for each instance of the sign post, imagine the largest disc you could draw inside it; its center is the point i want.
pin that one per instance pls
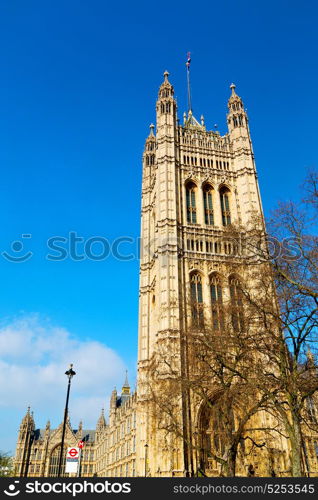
(72, 460)
(80, 444)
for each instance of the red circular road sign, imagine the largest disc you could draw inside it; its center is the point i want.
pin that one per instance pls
(73, 452)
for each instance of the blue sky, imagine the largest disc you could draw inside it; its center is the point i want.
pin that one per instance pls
(78, 84)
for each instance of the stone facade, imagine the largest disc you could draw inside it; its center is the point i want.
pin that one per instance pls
(38, 450)
(195, 183)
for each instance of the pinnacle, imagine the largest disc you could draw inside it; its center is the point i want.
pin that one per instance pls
(233, 87)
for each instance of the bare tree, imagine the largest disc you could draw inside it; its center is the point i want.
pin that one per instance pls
(256, 351)
(284, 297)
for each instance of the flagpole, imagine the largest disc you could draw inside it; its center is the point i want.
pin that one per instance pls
(188, 81)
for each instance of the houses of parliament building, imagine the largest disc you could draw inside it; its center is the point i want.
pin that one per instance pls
(195, 182)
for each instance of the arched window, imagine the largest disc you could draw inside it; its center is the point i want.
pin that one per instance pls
(196, 299)
(216, 302)
(208, 205)
(54, 461)
(217, 425)
(191, 205)
(236, 304)
(225, 206)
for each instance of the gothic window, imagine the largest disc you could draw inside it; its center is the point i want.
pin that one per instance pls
(225, 206)
(216, 302)
(165, 93)
(208, 205)
(236, 304)
(196, 299)
(216, 421)
(162, 108)
(54, 461)
(191, 204)
(168, 107)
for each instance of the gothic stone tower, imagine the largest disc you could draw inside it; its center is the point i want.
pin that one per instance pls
(195, 182)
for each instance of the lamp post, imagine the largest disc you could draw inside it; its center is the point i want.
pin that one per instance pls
(146, 458)
(70, 374)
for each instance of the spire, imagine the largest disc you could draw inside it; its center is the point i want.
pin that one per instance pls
(101, 422)
(310, 358)
(234, 97)
(236, 117)
(166, 108)
(126, 386)
(166, 89)
(27, 420)
(28, 416)
(233, 87)
(80, 428)
(150, 147)
(151, 137)
(113, 399)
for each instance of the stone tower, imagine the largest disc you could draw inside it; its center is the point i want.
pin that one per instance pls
(24, 443)
(195, 183)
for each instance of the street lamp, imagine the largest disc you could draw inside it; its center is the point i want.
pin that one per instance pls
(146, 458)
(70, 374)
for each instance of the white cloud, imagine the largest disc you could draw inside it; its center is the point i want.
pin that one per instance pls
(34, 355)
